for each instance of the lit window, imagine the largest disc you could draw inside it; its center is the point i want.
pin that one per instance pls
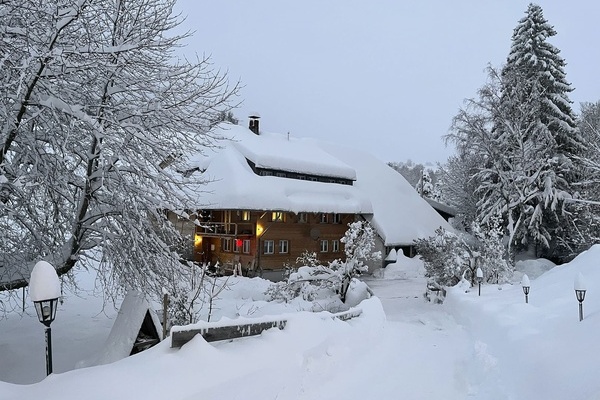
(237, 244)
(277, 216)
(246, 246)
(283, 246)
(303, 217)
(324, 218)
(324, 246)
(269, 247)
(245, 215)
(335, 246)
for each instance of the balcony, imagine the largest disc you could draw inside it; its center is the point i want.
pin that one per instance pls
(224, 229)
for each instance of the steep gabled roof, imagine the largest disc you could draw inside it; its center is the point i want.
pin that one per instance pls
(235, 185)
(400, 215)
(378, 192)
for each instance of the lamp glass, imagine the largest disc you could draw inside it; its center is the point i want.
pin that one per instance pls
(580, 295)
(46, 310)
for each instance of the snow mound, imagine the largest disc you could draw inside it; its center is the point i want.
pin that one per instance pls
(403, 268)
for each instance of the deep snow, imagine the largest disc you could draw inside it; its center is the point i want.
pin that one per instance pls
(489, 347)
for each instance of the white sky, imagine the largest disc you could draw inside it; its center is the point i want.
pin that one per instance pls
(384, 76)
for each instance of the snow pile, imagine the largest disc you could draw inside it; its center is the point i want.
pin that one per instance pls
(538, 350)
(403, 268)
(533, 268)
(493, 346)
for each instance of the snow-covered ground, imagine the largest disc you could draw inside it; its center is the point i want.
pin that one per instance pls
(401, 347)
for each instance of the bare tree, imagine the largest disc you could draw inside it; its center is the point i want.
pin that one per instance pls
(93, 100)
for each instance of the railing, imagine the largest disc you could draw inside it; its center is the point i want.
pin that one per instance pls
(181, 335)
(225, 229)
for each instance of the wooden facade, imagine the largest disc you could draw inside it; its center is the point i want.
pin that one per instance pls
(265, 239)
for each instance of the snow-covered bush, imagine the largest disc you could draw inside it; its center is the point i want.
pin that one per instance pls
(444, 255)
(313, 280)
(493, 253)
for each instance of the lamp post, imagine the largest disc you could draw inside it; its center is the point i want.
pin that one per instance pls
(526, 285)
(580, 293)
(479, 278)
(44, 290)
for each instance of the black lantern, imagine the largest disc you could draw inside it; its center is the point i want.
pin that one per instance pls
(580, 290)
(526, 285)
(479, 278)
(44, 290)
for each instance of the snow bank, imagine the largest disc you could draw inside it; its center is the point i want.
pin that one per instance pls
(538, 350)
(403, 268)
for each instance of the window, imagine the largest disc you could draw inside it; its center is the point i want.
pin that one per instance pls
(337, 218)
(278, 216)
(324, 246)
(246, 246)
(335, 246)
(245, 215)
(226, 244)
(281, 174)
(303, 217)
(237, 243)
(268, 247)
(266, 173)
(324, 218)
(283, 246)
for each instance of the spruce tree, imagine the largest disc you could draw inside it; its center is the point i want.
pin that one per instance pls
(534, 77)
(537, 128)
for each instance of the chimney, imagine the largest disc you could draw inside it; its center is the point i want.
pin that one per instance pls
(253, 123)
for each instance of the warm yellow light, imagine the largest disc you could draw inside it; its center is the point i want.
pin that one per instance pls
(259, 230)
(198, 240)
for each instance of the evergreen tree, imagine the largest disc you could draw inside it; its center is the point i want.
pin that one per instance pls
(541, 132)
(534, 76)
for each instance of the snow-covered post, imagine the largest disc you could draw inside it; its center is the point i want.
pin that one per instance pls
(526, 285)
(479, 278)
(580, 293)
(44, 290)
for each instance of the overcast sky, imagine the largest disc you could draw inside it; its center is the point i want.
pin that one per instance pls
(386, 76)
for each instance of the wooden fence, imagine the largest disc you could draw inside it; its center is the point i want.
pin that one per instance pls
(212, 334)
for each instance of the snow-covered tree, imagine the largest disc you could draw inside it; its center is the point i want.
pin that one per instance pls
(359, 247)
(92, 101)
(492, 250)
(445, 256)
(523, 127)
(534, 76)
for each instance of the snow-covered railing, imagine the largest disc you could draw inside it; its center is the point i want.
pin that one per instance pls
(212, 332)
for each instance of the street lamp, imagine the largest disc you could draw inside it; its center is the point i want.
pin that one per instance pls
(44, 290)
(580, 293)
(479, 278)
(526, 285)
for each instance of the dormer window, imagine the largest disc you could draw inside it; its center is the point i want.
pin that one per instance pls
(278, 216)
(245, 215)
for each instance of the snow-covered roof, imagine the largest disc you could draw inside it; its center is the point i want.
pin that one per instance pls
(400, 215)
(125, 330)
(378, 192)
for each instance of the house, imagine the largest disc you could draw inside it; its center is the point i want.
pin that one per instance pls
(271, 197)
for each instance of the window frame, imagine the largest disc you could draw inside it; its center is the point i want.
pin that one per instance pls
(324, 218)
(335, 246)
(226, 244)
(246, 246)
(283, 243)
(323, 246)
(266, 246)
